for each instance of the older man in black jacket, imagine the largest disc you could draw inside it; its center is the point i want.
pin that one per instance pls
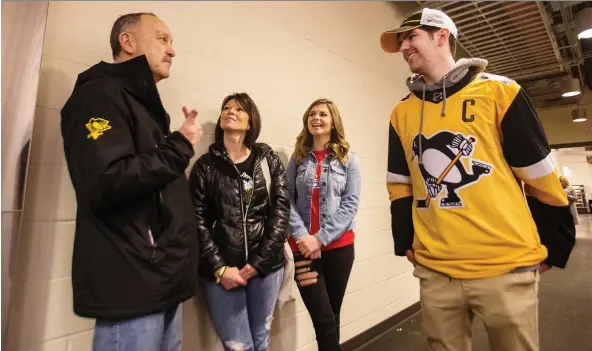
(135, 250)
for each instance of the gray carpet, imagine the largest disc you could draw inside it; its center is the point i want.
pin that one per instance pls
(565, 314)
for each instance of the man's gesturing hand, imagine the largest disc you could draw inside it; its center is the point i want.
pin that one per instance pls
(190, 128)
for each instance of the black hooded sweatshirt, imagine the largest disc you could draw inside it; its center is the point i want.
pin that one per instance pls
(136, 248)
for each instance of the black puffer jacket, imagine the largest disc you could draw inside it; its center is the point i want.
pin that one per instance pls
(217, 194)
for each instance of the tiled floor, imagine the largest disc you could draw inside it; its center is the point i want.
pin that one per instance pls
(565, 314)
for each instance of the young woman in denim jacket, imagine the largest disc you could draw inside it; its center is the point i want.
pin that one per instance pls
(242, 227)
(324, 182)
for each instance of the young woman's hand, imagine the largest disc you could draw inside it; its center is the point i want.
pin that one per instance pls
(231, 278)
(309, 245)
(248, 272)
(316, 255)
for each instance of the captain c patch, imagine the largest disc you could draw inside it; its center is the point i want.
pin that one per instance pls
(96, 127)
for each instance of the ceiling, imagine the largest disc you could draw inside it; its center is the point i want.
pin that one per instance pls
(527, 41)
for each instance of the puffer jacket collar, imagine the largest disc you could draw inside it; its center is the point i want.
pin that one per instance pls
(260, 150)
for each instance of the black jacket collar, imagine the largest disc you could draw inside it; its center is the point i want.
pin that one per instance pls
(259, 149)
(136, 78)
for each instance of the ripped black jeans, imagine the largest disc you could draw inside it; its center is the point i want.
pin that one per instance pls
(323, 299)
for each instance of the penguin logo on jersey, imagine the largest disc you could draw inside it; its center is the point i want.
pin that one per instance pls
(441, 165)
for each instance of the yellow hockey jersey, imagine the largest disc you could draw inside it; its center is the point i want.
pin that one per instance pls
(458, 158)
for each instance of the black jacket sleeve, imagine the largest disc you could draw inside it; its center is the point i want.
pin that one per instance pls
(278, 220)
(101, 154)
(202, 206)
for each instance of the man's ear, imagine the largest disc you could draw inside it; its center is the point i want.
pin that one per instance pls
(442, 36)
(128, 43)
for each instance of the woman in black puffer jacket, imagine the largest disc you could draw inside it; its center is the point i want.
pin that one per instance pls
(242, 227)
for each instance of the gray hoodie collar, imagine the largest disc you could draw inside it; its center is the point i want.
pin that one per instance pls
(417, 83)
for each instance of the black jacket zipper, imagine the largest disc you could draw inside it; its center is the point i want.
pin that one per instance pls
(245, 211)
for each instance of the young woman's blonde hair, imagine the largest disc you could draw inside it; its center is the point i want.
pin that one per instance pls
(337, 144)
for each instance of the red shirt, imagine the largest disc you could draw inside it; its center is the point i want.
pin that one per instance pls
(348, 237)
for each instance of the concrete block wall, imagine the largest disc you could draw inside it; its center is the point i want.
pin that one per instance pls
(285, 55)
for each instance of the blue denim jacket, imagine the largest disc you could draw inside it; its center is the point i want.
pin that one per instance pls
(340, 196)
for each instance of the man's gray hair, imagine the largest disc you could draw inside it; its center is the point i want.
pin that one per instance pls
(121, 25)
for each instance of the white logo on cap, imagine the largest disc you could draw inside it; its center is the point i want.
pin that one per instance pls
(438, 19)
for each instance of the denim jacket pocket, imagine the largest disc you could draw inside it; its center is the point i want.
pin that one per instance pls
(300, 174)
(300, 171)
(338, 173)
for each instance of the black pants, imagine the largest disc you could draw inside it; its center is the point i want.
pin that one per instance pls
(323, 299)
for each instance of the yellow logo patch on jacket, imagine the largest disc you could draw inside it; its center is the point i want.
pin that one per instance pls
(96, 127)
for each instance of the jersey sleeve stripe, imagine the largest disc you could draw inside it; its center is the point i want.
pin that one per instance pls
(535, 171)
(397, 178)
(547, 190)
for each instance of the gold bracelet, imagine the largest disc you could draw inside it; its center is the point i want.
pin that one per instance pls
(221, 274)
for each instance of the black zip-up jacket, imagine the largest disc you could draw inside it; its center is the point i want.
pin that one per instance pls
(136, 248)
(217, 197)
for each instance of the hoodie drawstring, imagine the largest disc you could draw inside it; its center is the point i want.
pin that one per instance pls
(421, 124)
(444, 97)
(443, 114)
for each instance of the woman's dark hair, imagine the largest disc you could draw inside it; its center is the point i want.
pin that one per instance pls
(245, 101)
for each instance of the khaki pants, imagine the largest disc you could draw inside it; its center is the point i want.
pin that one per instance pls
(507, 304)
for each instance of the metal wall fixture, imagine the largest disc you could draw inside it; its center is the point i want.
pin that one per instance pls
(23, 31)
(579, 115)
(584, 23)
(570, 87)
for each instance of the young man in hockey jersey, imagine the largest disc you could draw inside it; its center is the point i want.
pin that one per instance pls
(463, 146)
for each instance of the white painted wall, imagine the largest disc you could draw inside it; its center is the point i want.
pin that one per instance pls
(284, 55)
